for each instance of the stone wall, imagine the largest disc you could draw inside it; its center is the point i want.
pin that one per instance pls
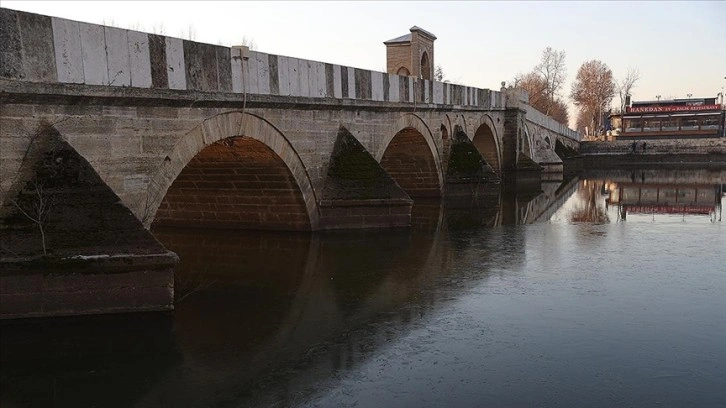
(48, 49)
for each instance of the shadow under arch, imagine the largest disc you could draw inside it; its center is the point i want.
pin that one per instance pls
(486, 141)
(411, 155)
(239, 132)
(527, 145)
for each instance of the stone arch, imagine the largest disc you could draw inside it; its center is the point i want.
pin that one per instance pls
(410, 130)
(228, 129)
(487, 142)
(426, 72)
(444, 132)
(403, 71)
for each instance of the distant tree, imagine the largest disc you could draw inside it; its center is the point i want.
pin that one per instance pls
(160, 29)
(439, 73)
(553, 72)
(249, 42)
(592, 92)
(559, 111)
(544, 83)
(190, 33)
(626, 84)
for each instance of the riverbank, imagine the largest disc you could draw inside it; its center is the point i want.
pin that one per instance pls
(700, 153)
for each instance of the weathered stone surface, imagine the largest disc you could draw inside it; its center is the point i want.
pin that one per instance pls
(139, 59)
(11, 57)
(117, 54)
(93, 52)
(68, 54)
(36, 32)
(175, 65)
(158, 61)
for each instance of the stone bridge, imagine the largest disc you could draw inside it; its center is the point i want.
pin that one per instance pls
(192, 134)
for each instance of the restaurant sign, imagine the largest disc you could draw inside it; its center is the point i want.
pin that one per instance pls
(671, 108)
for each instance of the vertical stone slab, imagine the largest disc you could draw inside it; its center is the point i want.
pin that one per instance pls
(426, 88)
(283, 75)
(274, 75)
(175, 66)
(377, 86)
(224, 69)
(312, 79)
(192, 65)
(492, 100)
(139, 59)
(386, 86)
(249, 70)
(11, 49)
(329, 81)
(304, 77)
(36, 34)
(208, 66)
(320, 72)
(117, 55)
(438, 93)
(68, 53)
(157, 61)
(263, 73)
(447, 94)
(293, 75)
(394, 94)
(236, 62)
(402, 88)
(351, 83)
(337, 83)
(93, 49)
(344, 82)
(411, 83)
(363, 84)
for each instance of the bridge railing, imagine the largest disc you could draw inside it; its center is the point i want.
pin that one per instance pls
(55, 50)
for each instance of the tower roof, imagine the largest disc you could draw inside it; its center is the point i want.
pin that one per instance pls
(407, 37)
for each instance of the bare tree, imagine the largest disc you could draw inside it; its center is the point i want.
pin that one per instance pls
(592, 91)
(190, 33)
(439, 73)
(249, 42)
(544, 83)
(160, 29)
(553, 72)
(626, 84)
(35, 206)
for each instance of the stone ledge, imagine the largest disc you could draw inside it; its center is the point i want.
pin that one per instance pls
(92, 264)
(21, 92)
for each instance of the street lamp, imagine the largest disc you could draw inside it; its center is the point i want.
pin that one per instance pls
(657, 97)
(689, 95)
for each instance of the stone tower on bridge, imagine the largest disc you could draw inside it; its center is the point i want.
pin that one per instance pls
(411, 54)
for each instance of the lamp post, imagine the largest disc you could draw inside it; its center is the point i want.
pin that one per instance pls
(657, 97)
(689, 95)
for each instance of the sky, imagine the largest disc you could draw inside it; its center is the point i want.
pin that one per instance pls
(679, 48)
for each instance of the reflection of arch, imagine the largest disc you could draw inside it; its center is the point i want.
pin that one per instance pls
(403, 71)
(487, 142)
(425, 66)
(230, 129)
(411, 129)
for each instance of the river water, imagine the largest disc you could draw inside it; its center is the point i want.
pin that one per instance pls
(608, 290)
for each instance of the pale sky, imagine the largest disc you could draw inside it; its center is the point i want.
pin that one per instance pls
(678, 47)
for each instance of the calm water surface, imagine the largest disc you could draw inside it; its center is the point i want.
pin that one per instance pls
(607, 291)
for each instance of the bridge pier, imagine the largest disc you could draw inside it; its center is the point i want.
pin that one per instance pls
(68, 245)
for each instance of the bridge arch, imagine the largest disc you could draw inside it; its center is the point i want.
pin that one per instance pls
(409, 153)
(240, 150)
(487, 141)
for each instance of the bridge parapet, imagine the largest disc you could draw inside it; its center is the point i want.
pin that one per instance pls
(39, 48)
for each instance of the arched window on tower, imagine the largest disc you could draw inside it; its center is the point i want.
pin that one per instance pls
(425, 67)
